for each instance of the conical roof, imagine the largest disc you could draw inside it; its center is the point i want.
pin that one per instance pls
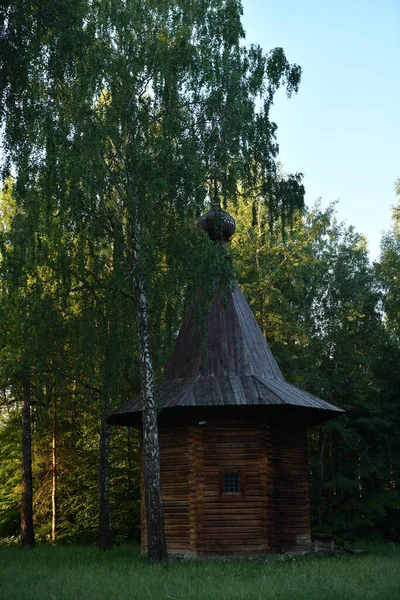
(235, 344)
(233, 366)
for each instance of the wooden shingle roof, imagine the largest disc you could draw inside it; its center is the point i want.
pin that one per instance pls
(236, 369)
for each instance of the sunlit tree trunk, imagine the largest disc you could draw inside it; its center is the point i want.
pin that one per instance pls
(27, 530)
(54, 476)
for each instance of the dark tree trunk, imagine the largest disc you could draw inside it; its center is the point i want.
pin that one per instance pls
(54, 477)
(108, 389)
(27, 531)
(129, 450)
(105, 539)
(104, 530)
(157, 544)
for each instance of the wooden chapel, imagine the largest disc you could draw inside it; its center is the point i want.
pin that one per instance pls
(233, 435)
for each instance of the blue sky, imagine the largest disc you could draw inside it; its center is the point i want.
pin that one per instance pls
(342, 130)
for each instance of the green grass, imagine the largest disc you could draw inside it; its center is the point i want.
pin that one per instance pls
(85, 573)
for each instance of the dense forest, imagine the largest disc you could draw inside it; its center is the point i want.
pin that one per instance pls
(121, 123)
(331, 318)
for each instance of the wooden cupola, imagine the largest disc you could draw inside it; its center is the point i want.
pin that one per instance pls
(233, 434)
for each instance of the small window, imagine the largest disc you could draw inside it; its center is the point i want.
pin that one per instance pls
(231, 483)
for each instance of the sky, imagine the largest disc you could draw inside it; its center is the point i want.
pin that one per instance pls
(342, 130)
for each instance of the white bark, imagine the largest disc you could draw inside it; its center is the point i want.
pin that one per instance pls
(157, 547)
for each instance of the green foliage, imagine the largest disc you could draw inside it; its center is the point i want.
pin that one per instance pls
(10, 476)
(318, 301)
(388, 271)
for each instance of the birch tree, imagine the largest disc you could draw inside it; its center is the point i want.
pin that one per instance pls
(140, 113)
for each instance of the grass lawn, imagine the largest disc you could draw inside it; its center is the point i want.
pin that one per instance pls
(85, 573)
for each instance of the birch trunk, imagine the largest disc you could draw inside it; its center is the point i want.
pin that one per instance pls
(27, 530)
(157, 545)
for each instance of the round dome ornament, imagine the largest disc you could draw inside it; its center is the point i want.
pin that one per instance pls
(219, 225)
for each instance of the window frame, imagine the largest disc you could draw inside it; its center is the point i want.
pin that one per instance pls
(231, 496)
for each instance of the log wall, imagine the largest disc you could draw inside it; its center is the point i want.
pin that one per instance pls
(175, 481)
(270, 514)
(291, 499)
(236, 523)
